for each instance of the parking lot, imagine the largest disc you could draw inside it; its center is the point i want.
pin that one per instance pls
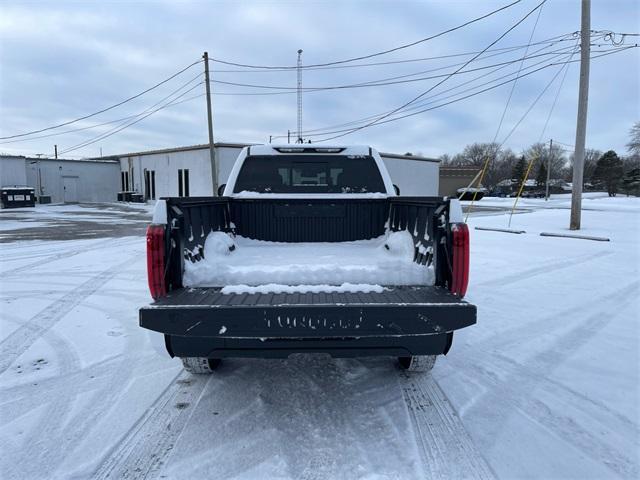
(534, 389)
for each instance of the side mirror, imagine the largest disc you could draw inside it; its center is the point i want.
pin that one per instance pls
(397, 189)
(221, 189)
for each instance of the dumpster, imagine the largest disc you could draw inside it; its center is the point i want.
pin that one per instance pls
(17, 196)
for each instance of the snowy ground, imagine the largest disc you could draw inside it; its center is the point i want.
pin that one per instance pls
(546, 385)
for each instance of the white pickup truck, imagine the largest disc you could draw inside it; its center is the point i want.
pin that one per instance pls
(309, 249)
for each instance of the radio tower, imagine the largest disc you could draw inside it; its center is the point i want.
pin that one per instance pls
(299, 96)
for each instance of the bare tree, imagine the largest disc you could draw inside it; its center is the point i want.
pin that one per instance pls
(555, 159)
(500, 162)
(633, 147)
(476, 155)
(445, 158)
(591, 156)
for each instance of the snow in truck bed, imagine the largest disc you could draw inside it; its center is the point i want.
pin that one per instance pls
(238, 261)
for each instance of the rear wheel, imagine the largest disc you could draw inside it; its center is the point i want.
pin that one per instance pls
(417, 363)
(200, 365)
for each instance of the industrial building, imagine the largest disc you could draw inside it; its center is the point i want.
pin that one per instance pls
(63, 180)
(186, 171)
(181, 171)
(452, 178)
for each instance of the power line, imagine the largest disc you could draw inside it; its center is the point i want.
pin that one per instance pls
(555, 100)
(558, 38)
(122, 127)
(323, 130)
(533, 104)
(435, 96)
(104, 109)
(513, 85)
(390, 80)
(413, 100)
(90, 127)
(384, 52)
(476, 93)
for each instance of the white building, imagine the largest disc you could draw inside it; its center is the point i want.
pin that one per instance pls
(63, 180)
(182, 171)
(186, 171)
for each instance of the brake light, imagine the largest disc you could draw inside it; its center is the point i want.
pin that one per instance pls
(460, 260)
(155, 261)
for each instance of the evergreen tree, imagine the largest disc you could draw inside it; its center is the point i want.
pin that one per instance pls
(631, 182)
(541, 177)
(517, 173)
(609, 172)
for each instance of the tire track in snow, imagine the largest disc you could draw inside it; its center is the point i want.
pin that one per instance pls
(27, 458)
(27, 396)
(110, 242)
(142, 451)
(516, 388)
(513, 336)
(103, 393)
(542, 269)
(23, 337)
(446, 449)
(318, 416)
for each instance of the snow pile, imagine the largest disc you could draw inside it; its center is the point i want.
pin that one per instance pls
(277, 288)
(239, 261)
(250, 194)
(400, 245)
(159, 213)
(218, 244)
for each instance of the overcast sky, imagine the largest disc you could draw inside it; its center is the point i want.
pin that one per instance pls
(62, 60)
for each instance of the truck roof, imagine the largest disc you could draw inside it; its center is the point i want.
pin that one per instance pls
(288, 149)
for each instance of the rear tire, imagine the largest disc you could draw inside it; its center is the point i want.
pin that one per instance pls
(200, 365)
(417, 363)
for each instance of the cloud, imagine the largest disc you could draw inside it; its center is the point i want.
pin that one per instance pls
(64, 60)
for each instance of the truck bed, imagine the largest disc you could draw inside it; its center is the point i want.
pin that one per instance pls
(397, 311)
(400, 315)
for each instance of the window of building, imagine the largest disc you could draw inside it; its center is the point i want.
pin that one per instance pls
(150, 184)
(124, 177)
(183, 182)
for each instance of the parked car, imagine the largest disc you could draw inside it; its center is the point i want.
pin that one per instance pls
(309, 249)
(533, 194)
(466, 194)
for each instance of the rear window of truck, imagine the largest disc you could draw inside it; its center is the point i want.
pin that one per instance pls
(306, 174)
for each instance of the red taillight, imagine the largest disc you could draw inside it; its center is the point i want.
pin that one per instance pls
(460, 260)
(155, 261)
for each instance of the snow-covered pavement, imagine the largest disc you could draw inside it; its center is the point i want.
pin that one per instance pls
(546, 385)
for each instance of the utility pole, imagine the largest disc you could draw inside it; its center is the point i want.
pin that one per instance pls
(39, 179)
(55, 151)
(288, 136)
(546, 195)
(300, 96)
(581, 127)
(212, 152)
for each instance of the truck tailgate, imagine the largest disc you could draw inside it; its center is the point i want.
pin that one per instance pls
(397, 311)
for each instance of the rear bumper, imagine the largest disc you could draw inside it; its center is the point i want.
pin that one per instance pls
(282, 348)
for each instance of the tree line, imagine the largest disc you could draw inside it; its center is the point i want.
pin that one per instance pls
(602, 170)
